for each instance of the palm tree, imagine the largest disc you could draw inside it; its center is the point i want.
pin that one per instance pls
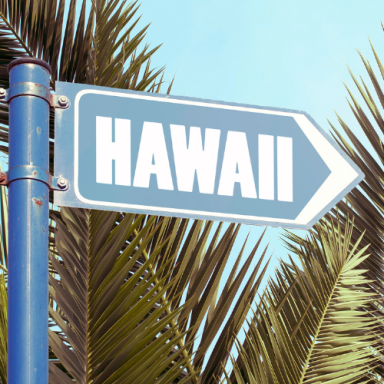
(128, 293)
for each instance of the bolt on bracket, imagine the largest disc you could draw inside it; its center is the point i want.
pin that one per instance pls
(34, 173)
(33, 89)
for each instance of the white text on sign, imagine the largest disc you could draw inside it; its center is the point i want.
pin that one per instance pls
(193, 157)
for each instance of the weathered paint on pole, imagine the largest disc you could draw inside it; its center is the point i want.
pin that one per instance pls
(28, 229)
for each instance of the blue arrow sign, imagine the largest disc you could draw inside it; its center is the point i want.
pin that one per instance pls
(175, 156)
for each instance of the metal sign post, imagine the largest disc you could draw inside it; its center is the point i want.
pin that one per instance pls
(28, 221)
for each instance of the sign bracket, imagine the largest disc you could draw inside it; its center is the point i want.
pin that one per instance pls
(32, 89)
(34, 173)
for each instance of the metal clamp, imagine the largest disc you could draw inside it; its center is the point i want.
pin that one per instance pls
(34, 173)
(33, 89)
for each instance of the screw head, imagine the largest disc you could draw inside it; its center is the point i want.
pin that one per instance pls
(3, 176)
(63, 101)
(62, 183)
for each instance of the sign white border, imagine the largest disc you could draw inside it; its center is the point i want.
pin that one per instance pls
(342, 174)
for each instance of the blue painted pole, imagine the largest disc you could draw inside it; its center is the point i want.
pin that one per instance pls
(28, 229)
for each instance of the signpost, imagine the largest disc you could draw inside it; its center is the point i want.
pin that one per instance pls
(147, 153)
(176, 156)
(28, 222)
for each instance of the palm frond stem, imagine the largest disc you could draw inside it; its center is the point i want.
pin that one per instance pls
(168, 311)
(319, 327)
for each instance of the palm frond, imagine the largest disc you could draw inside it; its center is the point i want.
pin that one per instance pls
(314, 323)
(115, 293)
(365, 203)
(364, 145)
(106, 301)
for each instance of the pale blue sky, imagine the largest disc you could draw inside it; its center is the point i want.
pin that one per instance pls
(275, 53)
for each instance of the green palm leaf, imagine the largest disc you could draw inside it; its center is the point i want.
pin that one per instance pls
(365, 203)
(123, 289)
(115, 330)
(313, 325)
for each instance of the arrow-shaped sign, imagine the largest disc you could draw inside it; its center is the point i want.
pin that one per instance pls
(175, 156)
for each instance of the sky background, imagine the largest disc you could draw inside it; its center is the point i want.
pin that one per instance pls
(287, 54)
